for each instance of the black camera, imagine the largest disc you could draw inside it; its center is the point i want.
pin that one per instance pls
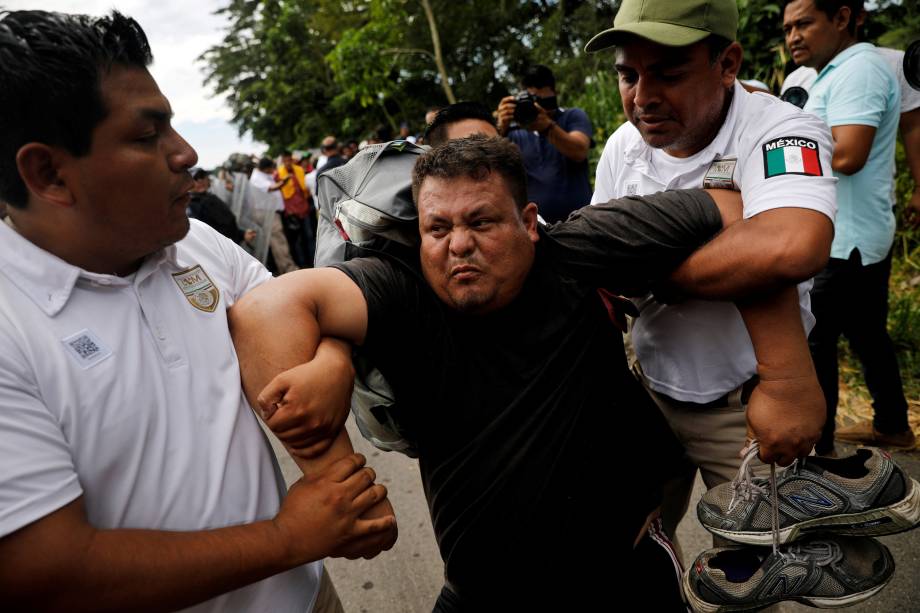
(525, 110)
(795, 95)
(912, 64)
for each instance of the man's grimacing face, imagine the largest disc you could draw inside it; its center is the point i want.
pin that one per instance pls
(673, 95)
(132, 186)
(477, 247)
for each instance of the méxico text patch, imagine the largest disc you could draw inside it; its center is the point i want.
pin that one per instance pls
(791, 155)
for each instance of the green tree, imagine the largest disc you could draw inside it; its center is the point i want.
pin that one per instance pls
(295, 70)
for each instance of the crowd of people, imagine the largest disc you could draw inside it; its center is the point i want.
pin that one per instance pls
(136, 342)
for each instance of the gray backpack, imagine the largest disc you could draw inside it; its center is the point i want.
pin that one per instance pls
(366, 208)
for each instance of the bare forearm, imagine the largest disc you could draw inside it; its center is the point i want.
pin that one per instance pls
(765, 253)
(139, 570)
(910, 133)
(774, 324)
(273, 336)
(786, 410)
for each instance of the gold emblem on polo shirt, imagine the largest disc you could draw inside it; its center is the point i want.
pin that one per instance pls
(198, 288)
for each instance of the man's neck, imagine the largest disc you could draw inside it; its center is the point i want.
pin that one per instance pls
(845, 44)
(62, 246)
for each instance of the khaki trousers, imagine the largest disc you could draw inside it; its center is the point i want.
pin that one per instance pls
(712, 438)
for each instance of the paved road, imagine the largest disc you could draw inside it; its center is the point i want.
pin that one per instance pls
(407, 579)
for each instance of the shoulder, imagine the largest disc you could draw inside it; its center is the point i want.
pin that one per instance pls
(234, 269)
(574, 114)
(803, 76)
(865, 63)
(766, 117)
(375, 273)
(623, 138)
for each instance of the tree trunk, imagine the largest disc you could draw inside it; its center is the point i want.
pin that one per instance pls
(438, 58)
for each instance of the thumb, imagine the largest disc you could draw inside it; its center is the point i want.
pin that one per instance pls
(272, 395)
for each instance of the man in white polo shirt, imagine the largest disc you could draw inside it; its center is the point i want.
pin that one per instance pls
(691, 124)
(134, 473)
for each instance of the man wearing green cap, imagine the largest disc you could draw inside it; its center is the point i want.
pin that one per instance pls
(691, 124)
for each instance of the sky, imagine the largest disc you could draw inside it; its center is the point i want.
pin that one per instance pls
(179, 31)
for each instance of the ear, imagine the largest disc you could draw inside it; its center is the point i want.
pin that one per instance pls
(529, 217)
(39, 166)
(730, 63)
(842, 18)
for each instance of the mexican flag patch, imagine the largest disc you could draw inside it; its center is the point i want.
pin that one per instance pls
(791, 155)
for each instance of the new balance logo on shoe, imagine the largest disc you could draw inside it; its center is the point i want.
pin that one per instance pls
(811, 502)
(866, 494)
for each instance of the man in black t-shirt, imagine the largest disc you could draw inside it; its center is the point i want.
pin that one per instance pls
(539, 452)
(210, 209)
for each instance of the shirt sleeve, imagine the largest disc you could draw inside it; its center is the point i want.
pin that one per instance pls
(38, 475)
(627, 244)
(578, 121)
(393, 294)
(247, 272)
(779, 170)
(862, 97)
(603, 175)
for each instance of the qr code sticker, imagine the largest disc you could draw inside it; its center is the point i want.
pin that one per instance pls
(85, 347)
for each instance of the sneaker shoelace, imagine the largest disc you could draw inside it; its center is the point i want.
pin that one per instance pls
(745, 486)
(822, 553)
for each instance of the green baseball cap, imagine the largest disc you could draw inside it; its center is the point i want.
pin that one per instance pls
(675, 23)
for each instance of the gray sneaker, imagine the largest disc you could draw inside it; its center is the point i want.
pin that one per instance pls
(821, 571)
(865, 494)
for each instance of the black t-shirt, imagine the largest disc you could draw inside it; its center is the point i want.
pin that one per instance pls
(527, 420)
(210, 209)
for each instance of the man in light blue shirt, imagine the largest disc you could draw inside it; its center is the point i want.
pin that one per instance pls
(858, 96)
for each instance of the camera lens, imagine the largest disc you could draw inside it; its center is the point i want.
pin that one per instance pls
(524, 110)
(796, 95)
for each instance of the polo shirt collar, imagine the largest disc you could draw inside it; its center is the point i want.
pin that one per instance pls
(715, 149)
(844, 55)
(48, 280)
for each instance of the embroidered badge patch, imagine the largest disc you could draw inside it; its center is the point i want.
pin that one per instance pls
(720, 175)
(86, 348)
(198, 288)
(791, 155)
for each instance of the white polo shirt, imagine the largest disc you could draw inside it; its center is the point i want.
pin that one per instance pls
(127, 391)
(776, 156)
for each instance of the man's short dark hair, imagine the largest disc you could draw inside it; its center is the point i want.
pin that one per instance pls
(200, 174)
(436, 133)
(265, 164)
(51, 68)
(475, 157)
(538, 76)
(286, 153)
(830, 8)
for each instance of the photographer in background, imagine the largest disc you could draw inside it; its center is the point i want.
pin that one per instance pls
(554, 142)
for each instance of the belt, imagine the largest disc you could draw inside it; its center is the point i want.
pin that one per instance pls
(742, 392)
